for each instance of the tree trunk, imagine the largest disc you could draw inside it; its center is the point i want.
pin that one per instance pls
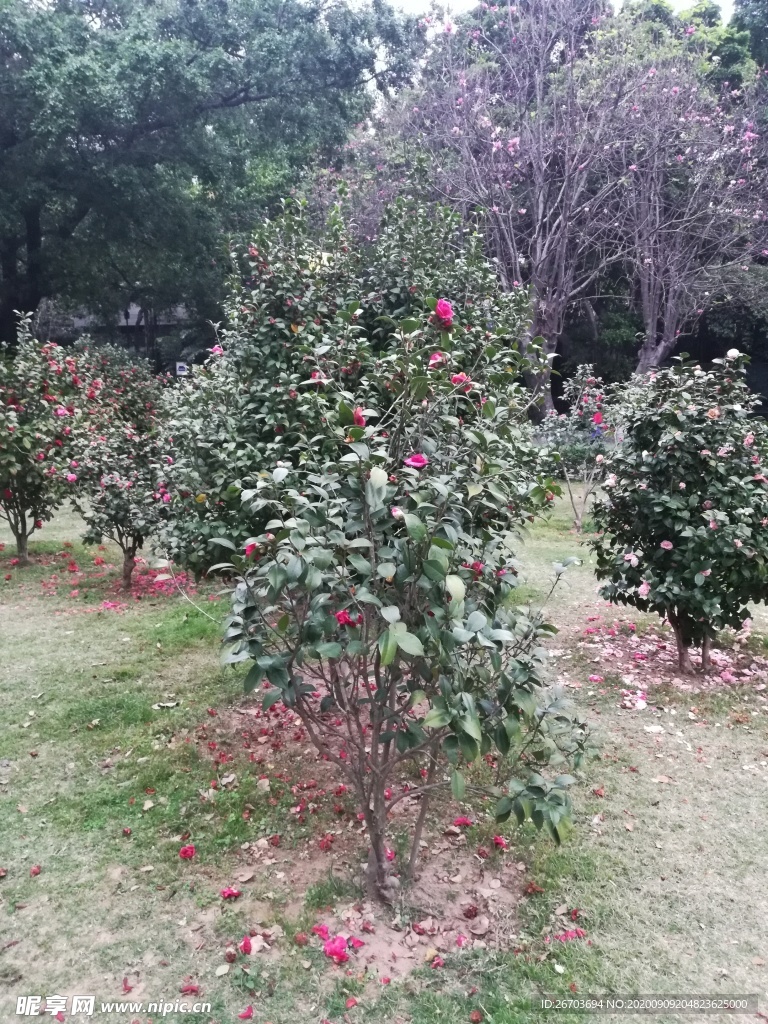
(129, 564)
(22, 548)
(706, 644)
(683, 654)
(379, 887)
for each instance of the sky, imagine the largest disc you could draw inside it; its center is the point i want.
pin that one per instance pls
(457, 6)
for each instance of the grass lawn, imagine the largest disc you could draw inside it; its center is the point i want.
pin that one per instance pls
(121, 739)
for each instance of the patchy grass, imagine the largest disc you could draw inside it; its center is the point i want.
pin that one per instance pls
(665, 871)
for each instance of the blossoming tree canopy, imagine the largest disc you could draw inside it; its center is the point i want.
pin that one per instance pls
(683, 520)
(375, 599)
(39, 403)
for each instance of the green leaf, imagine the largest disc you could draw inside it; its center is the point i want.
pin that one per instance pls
(331, 649)
(470, 724)
(360, 564)
(436, 718)
(476, 621)
(391, 613)
(433, 570)
(455, 587)
(223, 542)
(416, 529)
(409, 643)
(252, 680)
(346, 415)
(458, 785)
(376, 488)
(271, 697)
(388, 647)
(386, 570)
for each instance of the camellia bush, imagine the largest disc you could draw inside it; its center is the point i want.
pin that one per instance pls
(238, 413)
(375, 601)
(40, 399)
(245, 409)
(684, 517)
(120, 453)
(576, 442)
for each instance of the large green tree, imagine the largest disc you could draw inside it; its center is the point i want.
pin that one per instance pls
(133, 132)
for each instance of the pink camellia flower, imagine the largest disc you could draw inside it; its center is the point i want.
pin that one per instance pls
(644, 589)
(463, 822)
(462, 381)
(217, 350)
(336, 949)
(355, 943)
(343, 618)
(749, 440)
(596, 679)
(738, 543)
(397, 512)
(71, 477)
(437, 962)
(321, 930)
(713, 524)
(61, 411)
(706, 572)
(416, 461)
(230, 893)
(250, 548)
(389, 854)
(597, 418)
(358, 417)
(444, 314)
(461, 940)
(187, 852)
(245, 945)
(667, 545)
(436, 359)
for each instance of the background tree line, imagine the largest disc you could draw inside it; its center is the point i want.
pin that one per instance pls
(614, 161)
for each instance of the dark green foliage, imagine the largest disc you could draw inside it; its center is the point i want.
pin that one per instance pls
(132, 135)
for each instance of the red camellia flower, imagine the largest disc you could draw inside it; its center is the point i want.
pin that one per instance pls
(358, 417)
(597, 418)
(245, 945)
(443, 316)
(229, 893)
(336, 949)
(463, 822)
(501, 842)
(343, 618)
(35, 871)
(461, 380)
(249, 549)
(416, 461)
(187, 852)
(320, 930)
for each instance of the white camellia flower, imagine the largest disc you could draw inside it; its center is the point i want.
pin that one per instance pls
(732, 353)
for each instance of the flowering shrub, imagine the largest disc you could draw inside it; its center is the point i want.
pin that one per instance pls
(39, 402)
(374, 601)
(240, 411)
(243, 412)
(685, 510)
(576, 442)
(120, 454)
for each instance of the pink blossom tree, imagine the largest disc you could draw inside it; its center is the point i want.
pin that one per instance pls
(692, 199)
